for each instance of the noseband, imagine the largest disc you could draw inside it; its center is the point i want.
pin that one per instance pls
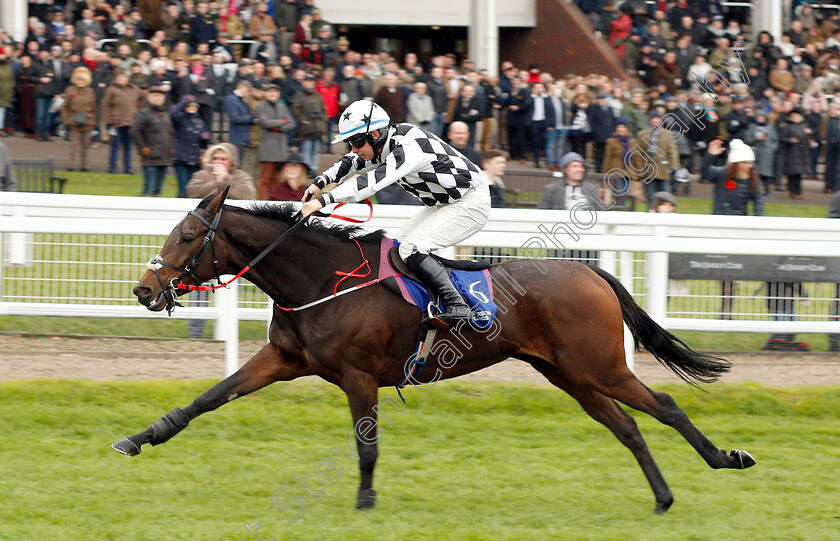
(156, 263)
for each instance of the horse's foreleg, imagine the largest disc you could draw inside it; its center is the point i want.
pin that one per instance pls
(264, 368)
(362, 390)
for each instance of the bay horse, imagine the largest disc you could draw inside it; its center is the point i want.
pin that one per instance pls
(566, 322)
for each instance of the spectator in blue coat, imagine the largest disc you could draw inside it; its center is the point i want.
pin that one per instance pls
(191, 136)
(240, 116)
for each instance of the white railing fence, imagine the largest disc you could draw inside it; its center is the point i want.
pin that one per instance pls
(80, 256)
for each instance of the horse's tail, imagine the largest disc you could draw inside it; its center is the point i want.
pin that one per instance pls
(667, 348)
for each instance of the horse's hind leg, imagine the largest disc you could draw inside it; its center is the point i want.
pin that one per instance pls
(664, 409)
(604, 410)
(264, 368)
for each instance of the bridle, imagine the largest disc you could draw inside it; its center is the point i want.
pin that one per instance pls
(157, 262)
(169, 290)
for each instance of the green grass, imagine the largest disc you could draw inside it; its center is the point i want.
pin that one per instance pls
(110, 184)
(465, 461)
(704, 206)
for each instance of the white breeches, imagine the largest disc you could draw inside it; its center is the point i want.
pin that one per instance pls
(439, 227)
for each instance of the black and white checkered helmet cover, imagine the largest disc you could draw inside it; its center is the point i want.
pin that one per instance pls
(419, 161)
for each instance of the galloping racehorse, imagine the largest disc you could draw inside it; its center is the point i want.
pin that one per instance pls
(563, 318)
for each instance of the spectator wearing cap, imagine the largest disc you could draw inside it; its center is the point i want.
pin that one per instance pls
(276, 122)
(202, 25)
(251, 161)
(261, 22)
(622, 160)
(191, 136)
(736, 183)
(793, 136)
(79, 115)
(154, 137)
(310, 113)
(571, 190)
(43, 76)
(660, 156)
(602, 122)
(293, 179)
(240, 116)
(664, 202)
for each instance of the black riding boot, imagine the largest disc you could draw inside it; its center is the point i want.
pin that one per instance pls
(434, 275)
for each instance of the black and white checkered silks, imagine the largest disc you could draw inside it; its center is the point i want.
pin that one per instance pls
(453, 189)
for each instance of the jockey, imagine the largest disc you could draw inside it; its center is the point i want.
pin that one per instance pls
(453, 189)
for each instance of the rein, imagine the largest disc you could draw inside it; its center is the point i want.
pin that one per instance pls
(157, 262)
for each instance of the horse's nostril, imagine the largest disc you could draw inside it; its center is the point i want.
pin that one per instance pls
(140, 291)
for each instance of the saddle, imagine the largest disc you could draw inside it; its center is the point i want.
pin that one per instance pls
(450, 264)
(470, 278)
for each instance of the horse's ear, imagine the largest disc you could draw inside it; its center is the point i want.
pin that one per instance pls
(213, 202)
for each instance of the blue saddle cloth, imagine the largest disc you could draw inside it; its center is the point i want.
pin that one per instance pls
(475, 287)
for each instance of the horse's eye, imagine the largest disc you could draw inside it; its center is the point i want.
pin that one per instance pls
(187, 239)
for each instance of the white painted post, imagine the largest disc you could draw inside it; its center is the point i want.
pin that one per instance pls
(657, 279)
(626, 270)
(607, 261)
(227, 323)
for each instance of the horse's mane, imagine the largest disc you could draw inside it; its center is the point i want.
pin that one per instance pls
(287, 213)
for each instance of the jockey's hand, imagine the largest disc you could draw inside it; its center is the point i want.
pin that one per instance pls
(311, 207)
(312, 192)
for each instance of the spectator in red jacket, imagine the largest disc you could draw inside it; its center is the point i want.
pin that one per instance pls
(330, 92)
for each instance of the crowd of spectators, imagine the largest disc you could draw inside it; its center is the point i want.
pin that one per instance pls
(268, 77)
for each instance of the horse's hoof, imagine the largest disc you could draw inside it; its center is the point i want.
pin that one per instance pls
(367, 499)
(126, 447)
(663, 506)
(743, 458)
